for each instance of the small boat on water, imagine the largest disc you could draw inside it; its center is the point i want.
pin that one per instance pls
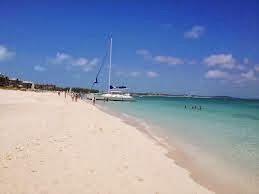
(118, 94)
(114, 93)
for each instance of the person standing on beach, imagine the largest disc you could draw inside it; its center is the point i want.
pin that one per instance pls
(93, 99)
(65, 94)
(76, 97)
(72, 96)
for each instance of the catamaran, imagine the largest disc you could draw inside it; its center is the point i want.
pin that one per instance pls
(114, 93)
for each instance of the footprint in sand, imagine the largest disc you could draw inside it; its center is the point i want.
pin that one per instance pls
(19, 148)
(50, 139)
(115, 131)
(122, 169)
(4, 165)
(140, 179)
(36, 142)
(91, 171)
(8, 157)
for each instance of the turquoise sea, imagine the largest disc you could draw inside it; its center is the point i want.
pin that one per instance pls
(223, 136)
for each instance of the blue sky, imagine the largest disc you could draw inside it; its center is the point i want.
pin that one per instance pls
(197, 47)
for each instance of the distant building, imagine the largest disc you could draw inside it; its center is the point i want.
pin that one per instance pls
(33, 87)
(27, 84)
(14, 82)
(45, 86)
(3, 80)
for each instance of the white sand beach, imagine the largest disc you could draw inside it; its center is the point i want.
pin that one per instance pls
(49, 144)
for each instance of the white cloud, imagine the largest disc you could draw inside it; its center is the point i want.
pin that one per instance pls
(224, 76)
(80, 62)
(217, 74)
(195, 33)
(170, 60)
(257, 68)
(61, 58)
(134, 73)
(93, 62)
(250, 75)
(5, 54)
(160, 59)
(142, 52)
(152, 74)
(68, 60)
(119, 73)
(39, 68)
(240, 67)
(192, 62)
(90, 64)
(87, 69)
(246, 61)
(145, 53)
(223, 60)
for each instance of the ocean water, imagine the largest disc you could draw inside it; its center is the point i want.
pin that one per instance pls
(223, 135)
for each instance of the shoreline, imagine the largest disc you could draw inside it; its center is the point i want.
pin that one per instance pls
(178, 154)
(59, 146)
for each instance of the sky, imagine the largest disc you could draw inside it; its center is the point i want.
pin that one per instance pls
(178, 46)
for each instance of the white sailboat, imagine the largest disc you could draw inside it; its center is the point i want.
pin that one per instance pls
(117, 93)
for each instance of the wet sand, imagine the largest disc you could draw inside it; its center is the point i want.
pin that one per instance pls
(211, 178)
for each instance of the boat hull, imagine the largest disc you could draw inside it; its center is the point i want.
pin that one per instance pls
(109, 97)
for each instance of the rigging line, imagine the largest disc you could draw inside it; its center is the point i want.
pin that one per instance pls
(102, 64)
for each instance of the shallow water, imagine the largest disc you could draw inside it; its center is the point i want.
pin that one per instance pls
(223, 134)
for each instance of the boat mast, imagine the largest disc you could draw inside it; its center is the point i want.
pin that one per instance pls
(110, 66)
